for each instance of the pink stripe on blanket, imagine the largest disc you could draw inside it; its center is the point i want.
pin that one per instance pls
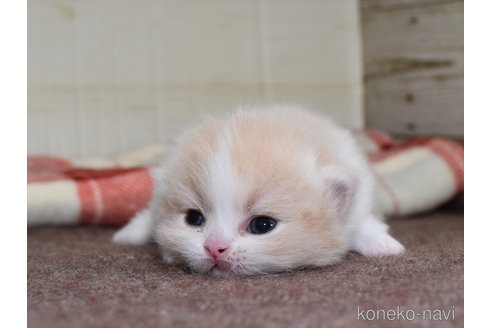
(110, 197)
(91, 206)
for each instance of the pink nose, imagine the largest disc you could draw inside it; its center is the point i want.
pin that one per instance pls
(216, 247)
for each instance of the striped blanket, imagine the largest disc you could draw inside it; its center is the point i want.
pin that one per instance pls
(414, 175)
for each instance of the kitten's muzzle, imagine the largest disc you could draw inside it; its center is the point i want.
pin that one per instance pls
(215, 251)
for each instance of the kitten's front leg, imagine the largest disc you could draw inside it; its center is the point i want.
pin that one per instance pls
(372, 239)
(138, 231)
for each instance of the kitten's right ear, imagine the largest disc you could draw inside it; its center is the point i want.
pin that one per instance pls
(338, 187)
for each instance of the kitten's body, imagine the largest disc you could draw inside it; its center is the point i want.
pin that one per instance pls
(284, 163)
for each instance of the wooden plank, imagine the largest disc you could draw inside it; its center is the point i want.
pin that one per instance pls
(414, 69)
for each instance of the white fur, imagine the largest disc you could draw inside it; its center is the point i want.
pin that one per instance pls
(222, 188)
(346, 185)
(372, 239)
(138, 231)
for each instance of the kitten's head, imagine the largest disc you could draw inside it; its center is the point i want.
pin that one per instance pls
(247, 196)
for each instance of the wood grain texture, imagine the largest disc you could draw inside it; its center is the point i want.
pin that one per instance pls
(109, 76)
(413, 55)
(370, 6)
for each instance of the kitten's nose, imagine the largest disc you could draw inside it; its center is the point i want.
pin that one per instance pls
(216, 247)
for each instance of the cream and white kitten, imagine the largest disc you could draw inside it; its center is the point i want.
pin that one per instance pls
(262, 190)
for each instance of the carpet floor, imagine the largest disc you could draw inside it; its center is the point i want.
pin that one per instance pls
(78, 278)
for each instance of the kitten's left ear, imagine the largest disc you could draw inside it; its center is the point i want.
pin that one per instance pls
(339, 188)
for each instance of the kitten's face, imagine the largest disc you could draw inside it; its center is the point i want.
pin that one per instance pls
(249, 200)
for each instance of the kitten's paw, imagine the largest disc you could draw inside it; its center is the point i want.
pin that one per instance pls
(137, 232)
(373, 240)
(379, 245)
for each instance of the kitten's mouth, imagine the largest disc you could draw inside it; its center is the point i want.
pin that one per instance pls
(215, 267)
(221, 270)
(221, 265)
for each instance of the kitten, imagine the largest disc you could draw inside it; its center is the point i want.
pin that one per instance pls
(262, 190)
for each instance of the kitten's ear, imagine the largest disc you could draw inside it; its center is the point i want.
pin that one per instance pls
(339, 188)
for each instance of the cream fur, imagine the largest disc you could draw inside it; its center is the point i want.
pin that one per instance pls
(280, 161)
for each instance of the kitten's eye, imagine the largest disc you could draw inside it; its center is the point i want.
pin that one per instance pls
(194, 218)
(261, 225)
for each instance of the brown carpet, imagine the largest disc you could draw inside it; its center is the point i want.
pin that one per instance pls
(77, 278)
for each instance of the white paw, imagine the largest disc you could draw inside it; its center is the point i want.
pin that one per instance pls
(379, 245)
(126, 236)
(137, 232)
(372, 239)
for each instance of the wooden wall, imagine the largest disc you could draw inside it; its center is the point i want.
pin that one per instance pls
(413, 57)
(106, 76)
